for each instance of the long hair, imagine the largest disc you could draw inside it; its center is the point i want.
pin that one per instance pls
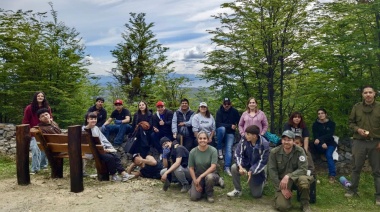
(246, 106)
(146, 108)
(207, 114)
(34, 104)
(302, 123)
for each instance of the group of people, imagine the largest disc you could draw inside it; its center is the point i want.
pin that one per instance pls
(191, 143)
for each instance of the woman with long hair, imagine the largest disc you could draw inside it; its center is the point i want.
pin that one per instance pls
(204, 121)
(253, 116)
(142, 123)
(297, 124)
(39, 160)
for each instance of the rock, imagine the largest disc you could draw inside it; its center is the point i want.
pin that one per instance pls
(100, 196)
(348, 156)
(1, 132)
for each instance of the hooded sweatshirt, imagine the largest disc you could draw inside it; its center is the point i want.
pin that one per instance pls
(324, 131)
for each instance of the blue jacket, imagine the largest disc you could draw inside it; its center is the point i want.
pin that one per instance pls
(253, 158)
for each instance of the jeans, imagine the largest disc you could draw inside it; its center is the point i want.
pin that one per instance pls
(228, 139)
(120, 130)
(330, 161)
(39, 160)
(181, 174)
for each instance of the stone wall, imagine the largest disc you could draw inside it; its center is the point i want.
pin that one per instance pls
(8, 139)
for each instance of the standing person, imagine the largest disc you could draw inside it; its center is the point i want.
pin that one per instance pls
(251, 158)
(253, 116)
(202, 166)
(287, 166)
(100, 111)
(364, 121)
(181, 125)
(175, 158)
(121, 118)
(227, 119)
(39, 101)
(162, 125)
(297, 124)
(110, 158)
(204, 121)
(142, 122)
(323, 131)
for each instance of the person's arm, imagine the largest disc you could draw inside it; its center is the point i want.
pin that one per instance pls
(127, 118)
(241, 124)
(174, 125)
(239, 154)
(149, 160)
(219, 119)
(169, 117)
(352, 120)
(131, 168)
(195, 124)
(174, 166)
(208, 171)
(272, 170)
(190, 122)
(264, 123)
(109, 120)
(27, 115)
(302, 166)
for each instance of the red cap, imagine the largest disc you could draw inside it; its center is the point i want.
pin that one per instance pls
(160, 103)
(118, 101)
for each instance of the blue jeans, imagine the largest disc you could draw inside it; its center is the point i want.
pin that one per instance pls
(228, 140)
(39, 160)
(330, 161)
(119, 130)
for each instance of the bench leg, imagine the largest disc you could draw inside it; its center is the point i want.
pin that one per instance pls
(57, 168)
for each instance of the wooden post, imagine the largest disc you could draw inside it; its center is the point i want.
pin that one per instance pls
(75, 157)
(22, 154)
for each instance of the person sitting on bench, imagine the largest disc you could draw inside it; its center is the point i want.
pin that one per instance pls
(110, 158)
(47, 125)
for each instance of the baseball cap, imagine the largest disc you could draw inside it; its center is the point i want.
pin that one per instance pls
(226, 100)
(288, 133)
(118, 101)
(164, 139)
(160, 103)
(203, 104)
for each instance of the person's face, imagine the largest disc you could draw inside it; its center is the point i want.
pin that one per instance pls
(166, 144)
(45, 117)
(202, 109)
(99, 103)
(138, 160)
(142, 106)
(184, 105)
(287, 143)
(118, 107)
(252, 104)
(202, 140)
(250, 137)
(296, 119)
(298, 142)
(40, 97)
(368, 95)
(226, 105)
(91, 121)
(321, 115)
(160, 109)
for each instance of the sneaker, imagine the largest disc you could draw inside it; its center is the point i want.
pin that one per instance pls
(332, 179)
(228, 171)
(127, 177)
(220, 154)
(350, 193)
(166, 185)
(234, 193)
(185, 188)
(210, 199)
(306, 208)
(33, 172)
(115, 178)
(221, 182)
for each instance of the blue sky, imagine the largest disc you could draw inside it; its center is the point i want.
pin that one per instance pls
(179, 24)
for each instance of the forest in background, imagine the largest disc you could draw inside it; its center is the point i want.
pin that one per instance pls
(291, 55)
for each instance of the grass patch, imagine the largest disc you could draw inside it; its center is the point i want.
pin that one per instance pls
(7, 167)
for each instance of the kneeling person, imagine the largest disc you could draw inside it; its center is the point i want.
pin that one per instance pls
(178, 156)
(251, 158)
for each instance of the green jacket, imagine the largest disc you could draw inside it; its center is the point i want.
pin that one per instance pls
(280, 164)
(366, 117)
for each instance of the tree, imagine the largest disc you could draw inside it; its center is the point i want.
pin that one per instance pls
(138, 57)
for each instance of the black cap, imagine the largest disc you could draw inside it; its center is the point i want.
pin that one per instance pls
(164, 139)
(226, 99)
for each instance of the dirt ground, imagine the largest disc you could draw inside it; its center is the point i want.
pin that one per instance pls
(46, 194)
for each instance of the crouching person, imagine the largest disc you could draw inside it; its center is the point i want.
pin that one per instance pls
(148, 167)
(202, 166)
(175, 159)
(110, 158)
(287, 166)
(251, 158)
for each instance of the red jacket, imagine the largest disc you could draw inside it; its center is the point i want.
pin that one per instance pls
(30, 118)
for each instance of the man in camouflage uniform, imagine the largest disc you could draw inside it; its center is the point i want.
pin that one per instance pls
(287, 166)
(365, 122)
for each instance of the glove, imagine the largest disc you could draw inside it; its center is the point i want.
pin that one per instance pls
(118, 122)
(103, 128)
(165, 153)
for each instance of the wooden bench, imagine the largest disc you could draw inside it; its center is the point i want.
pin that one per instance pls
(57, 147)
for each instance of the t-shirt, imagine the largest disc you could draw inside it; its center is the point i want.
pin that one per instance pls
(152, 171)
(201, 161)
(180, 152)
(120, 116)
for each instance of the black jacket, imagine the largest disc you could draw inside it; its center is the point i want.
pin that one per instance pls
(227, 119)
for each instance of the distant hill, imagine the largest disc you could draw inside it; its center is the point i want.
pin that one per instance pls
(196, 82)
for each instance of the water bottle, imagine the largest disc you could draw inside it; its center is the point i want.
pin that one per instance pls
(344, 182)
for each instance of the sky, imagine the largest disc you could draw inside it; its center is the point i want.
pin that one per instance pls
(178, 24)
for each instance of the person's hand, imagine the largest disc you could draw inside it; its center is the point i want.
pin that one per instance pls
(284, 182)
(161, 122)
(197, 184)
(155, 129)
(316, 142)
(249, 176)
(165, 153)
(287, 193)
(233, 127)
(242, 171)
(163, 177)
(210, 140)
(324, 146)
(181, 124)
(118, 122)
(363, 132)
(174, 135)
